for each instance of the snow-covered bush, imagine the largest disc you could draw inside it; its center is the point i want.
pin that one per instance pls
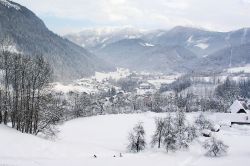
(136, 139)
(215, 147)
(203, 123)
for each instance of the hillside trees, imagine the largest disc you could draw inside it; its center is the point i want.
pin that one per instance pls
(23, 91)
(173, 132)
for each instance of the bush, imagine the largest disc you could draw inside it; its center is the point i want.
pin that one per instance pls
(203, 123)
(215, 147)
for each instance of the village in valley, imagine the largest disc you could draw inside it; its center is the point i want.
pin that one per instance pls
(141, 89)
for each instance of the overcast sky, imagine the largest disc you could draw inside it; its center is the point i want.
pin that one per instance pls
(63, 16)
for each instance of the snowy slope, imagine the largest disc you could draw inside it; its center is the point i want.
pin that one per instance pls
(106, 136)
(244, 69)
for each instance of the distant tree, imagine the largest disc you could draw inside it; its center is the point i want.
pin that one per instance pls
(127, 84)
(136, 138)
(181, 84)
(244, 86)
(229, 91)
(156, 102)
(215, 147)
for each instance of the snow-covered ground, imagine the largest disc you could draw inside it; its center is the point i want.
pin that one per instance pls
(164, 80)
(118, 74)
(106, 136)
(92, 84)
(245, 69)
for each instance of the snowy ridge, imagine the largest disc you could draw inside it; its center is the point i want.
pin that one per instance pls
(9, 4)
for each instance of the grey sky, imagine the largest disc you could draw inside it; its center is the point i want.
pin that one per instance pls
(65, 16)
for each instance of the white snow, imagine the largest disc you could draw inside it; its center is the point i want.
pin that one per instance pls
(202, 45)
(164, 80)
(106, 136)
(91, 85)
(147, 45)
(245, 69)
(190, 40)
(59, 87)
(118, 74)
(10, 4)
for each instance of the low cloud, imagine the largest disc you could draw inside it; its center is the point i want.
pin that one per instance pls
(212, 14)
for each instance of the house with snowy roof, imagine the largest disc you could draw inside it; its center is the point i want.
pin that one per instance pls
(239, 112)
(238, 107)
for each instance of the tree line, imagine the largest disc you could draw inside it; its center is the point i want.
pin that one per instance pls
(25, 100)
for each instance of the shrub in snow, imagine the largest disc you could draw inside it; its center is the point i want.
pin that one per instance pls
(136, 138)
(215, 147)
(203, 123)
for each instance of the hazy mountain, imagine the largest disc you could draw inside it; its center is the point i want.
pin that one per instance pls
(30, 35)
(100, 37)
(138, 54)
(235, 56)
(147, 49)
(199, 41)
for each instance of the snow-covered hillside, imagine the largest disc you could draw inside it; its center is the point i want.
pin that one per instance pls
(243, 69)
(106, 136)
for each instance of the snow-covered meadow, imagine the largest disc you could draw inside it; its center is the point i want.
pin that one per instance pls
(106, 136)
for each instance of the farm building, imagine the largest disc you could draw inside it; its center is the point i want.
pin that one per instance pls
(239, 113)
(238, 107)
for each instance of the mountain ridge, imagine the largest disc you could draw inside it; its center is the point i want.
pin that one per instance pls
(31, 36)
(200, 42)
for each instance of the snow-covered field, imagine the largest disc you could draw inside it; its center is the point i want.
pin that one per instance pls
(106, 136)
(245, 69)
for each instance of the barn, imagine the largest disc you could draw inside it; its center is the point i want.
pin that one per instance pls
(240, 113)
(238, 107)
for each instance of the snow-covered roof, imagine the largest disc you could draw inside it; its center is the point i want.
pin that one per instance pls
(236, 107)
